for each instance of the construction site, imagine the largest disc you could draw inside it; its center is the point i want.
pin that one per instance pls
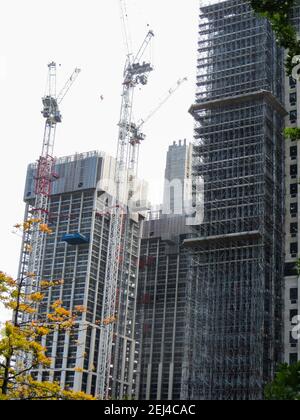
(173, 310)
(238, 151)
(77, 252)
(83, 224)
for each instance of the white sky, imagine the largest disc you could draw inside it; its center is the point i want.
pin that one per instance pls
(87, 34)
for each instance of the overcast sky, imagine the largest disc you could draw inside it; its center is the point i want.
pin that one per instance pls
(87, 34)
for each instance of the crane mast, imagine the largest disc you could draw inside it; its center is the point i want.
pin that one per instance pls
(137, 136)
(35, 228)
(135, 73)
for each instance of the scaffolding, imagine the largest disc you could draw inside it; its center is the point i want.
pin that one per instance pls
(239, 153)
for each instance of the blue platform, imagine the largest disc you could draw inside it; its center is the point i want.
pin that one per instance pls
(75, 239)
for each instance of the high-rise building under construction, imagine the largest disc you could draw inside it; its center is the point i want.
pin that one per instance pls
(166, 310)
(239, 153)
(167, 304)
(76, 251)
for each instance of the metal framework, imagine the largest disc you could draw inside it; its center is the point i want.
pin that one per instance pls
(126, 184)
(135, 129)
(135, 73)
(238, 152)
(34, 236)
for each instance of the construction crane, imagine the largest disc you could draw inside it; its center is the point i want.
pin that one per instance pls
(137, 136)
(135, 73)
(163, 100)
(36, 227)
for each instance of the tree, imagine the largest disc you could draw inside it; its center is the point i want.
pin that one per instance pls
(286, 385)
(21, 348)
(278, 12)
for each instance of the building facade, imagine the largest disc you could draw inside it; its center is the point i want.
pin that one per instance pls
(166, 320)
(167, 305)
(77, 253)
(177, 174)
(239, 153)
(292, 254)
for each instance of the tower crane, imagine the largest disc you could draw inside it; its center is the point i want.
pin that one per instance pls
(35, 228)
(135, 73)
(137, 136)
(163, 100)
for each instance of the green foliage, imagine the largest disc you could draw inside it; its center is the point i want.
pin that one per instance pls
(286, 385)
(289, 64)
(271, 6)
(278, 13)
(298, 267)
(292, 133)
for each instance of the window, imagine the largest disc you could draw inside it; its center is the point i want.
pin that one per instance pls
(294, 190)
(293, 358)
(293, 209)
(293, 341)
(294, 228)
(293, 171)
(293, 152)
(293, 313)
(292, 82)
(290, 269)
(45, 377)
(293, 116)
(293, 99)
(294, 294)
(294, 248)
